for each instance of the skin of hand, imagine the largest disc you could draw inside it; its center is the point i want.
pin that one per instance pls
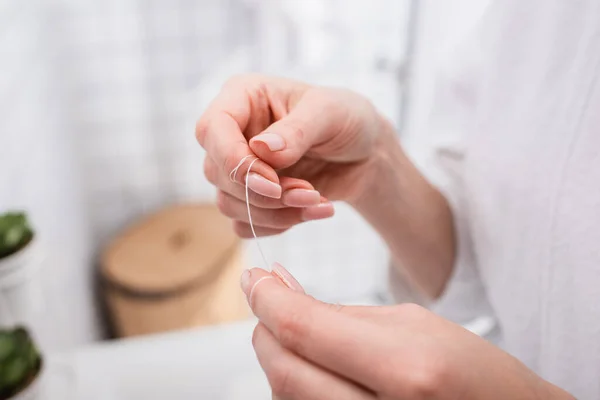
(316, 145)
(310, 350)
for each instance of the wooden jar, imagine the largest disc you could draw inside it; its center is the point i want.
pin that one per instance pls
(176, 269)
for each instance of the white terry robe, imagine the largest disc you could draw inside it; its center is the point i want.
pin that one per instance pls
(515, 133)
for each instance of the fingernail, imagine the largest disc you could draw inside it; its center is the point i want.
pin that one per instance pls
(273, 141)
(245, 281)
(301, 198)
(321, 211)
(287, 278)
(263, 186)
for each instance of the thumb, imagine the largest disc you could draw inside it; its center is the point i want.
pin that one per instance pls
(312, 121)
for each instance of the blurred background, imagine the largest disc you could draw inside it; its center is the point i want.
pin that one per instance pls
(98, 102)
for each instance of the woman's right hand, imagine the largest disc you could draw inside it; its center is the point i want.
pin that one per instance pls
(314, 145)
(313, 350)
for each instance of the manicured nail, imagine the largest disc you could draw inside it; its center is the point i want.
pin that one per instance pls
(263, 186)
(245, 281)
(287, 278)
(273, 141)
(301, 198)
(321, 211)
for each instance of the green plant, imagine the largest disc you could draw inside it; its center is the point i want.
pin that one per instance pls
(20, 361)
(15, 233)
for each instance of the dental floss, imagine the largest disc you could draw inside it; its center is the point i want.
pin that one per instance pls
(234, 171)
(232, 176)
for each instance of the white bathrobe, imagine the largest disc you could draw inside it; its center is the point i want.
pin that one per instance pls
(516, 138)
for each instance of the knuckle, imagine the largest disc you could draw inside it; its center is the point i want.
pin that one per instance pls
(295, 131)
(425, 379)
(280, 378)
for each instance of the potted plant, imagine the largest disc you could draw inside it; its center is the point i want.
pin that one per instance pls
(15, 233)
(20, 365)
(19, 259)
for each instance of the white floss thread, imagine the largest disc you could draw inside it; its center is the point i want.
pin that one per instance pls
(264, 278)
(234, 171)
(232, 176)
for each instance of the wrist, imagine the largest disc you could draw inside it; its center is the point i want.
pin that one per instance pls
(378, 178)
(409, 214)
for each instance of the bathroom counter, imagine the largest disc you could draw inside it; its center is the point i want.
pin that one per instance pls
(213, 363)
(216, 363)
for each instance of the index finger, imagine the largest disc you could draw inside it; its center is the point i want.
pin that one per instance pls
(220, 132)
(348, 346)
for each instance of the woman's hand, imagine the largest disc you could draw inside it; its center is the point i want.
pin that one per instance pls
(315, 144)
(318, 144)
(312, 351)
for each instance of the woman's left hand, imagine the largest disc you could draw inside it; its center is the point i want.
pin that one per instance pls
(310, 350)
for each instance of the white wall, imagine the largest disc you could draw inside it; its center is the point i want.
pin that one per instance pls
(38, 174)
(97, 110)
(97, 120)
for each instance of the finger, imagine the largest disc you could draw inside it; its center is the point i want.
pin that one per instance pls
(293, 192)
(296, 192)
(293, 378)
(284, 276)
(220, 132)
(221, 181)
(314, 331)
(322, 211)
(281, 218)
(243, 230)
(380, 315)
(313, 120)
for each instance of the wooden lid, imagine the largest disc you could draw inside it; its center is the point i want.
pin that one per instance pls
(171, 250)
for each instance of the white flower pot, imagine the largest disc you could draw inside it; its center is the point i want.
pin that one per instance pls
(20, 294)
